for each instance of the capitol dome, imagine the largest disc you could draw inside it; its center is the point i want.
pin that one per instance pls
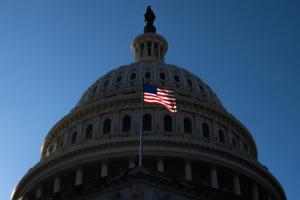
(201, 152)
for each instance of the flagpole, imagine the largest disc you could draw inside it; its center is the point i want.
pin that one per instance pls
(141, 129)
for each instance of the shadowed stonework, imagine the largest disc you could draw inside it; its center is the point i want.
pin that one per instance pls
(203, 152)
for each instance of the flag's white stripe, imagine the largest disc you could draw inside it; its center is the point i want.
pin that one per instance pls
(152, 99)
(165, 94)
(159, 99)
(162, 97)
(170, 109)
(156, 101)
(165, 90)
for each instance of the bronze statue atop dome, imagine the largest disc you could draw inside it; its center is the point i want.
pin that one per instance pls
(149, 18)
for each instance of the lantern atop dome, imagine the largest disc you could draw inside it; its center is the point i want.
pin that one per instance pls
(149, 46)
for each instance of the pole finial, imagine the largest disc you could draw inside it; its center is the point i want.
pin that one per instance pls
(149, 18)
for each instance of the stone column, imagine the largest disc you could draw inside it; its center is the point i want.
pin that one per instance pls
(104, 169)
(214, 177)
(255, 192)
(56, 185)
(160, 165)
(131, 163)
(188, 170)
(236, 185)
(39, 192)
(78, 178)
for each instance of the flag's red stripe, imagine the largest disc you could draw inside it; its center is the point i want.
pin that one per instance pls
(159, 99)
(158, 96)
(164, 97)
(172, 110)
(156, 101)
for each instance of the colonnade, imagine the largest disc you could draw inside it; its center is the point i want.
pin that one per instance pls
(160, 166)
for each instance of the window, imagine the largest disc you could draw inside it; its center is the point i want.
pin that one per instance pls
(187, 125)
(190, 82)
(149, 48)
(89, 131)
(233, 142)
(245, 147)
(133, 76)
(119, 79)
(205, 130)
(74, 138)
(51, 149)
(167, 123)
(107, 126)
(126, 124)
(201, 88)
(221, 137)
(106, 83)
(142, 49)
(176, 78)
(147, 75)
(147, 122)
(155, 49)
(94, 90)
(162, 76)
(61, 144)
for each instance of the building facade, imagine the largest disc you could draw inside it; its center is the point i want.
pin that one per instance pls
(202, 152)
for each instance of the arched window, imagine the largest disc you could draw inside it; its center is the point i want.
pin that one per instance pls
(133, 76)
(162, 76)
(74, 138)
(94, 90)
(201, 88)
(106, 83)
(233, 142)
(147, 75)
(107, 126)
(119, 78)
(221, 137)
(156, 49)
(142, 49)
(176, 78)
(190, 82)
(126, 124)
(168, 123)
(245, 147)
(205, 130)
(147, 122)
(89, 131)
(149, 48)
(187, 124)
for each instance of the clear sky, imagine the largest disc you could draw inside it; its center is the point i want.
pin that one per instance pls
(247, 51)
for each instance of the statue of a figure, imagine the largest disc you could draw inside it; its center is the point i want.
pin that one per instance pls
(149, 18)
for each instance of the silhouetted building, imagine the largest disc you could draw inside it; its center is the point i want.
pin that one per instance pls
(202, 152)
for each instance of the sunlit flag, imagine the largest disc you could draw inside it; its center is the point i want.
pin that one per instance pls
(165, 97)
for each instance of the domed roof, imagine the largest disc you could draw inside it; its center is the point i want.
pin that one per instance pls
(99, 140)
(128, 79)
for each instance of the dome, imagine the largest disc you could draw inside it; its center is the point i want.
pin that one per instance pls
(128, 79)
(93, 151)
(122, 88)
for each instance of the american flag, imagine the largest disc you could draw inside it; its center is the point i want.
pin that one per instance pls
(165, 97)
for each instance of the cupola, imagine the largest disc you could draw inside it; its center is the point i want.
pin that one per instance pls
(149, 46)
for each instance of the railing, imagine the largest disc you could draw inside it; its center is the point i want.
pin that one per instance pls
(159, 136)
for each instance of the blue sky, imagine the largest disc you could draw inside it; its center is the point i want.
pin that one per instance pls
(247, 51)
